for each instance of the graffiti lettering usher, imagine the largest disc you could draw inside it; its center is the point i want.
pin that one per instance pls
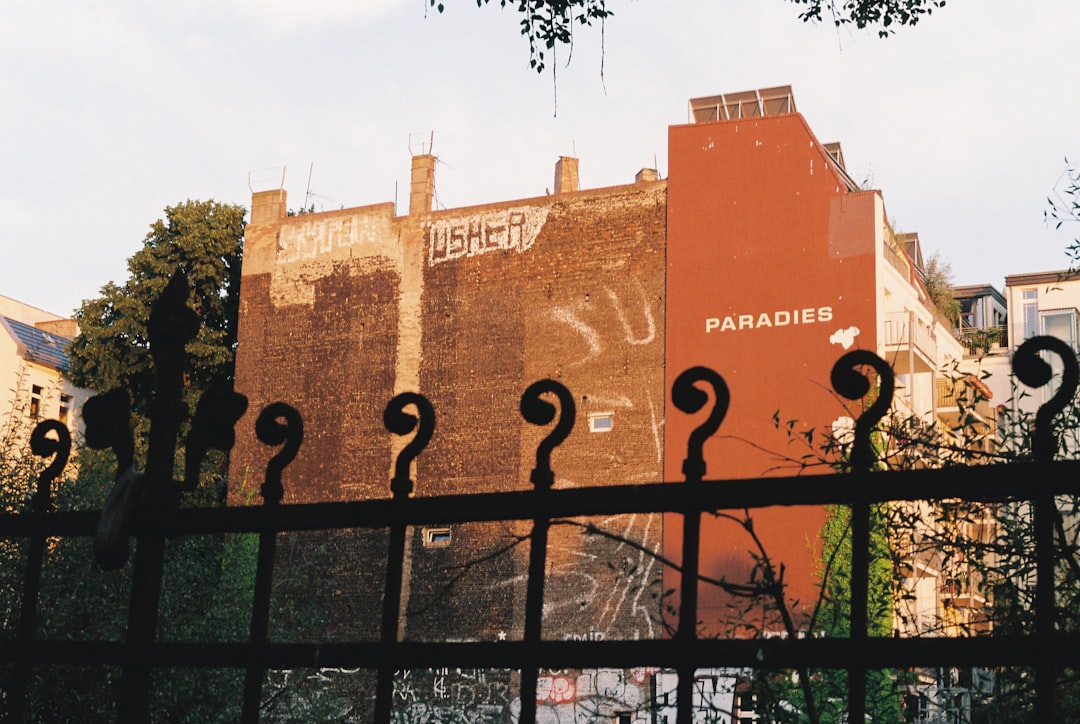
(780, 318)
(509, 230)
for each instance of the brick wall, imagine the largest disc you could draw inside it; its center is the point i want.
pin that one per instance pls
(342, 310)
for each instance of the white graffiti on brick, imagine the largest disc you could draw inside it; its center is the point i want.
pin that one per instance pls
(646, 310)
(574, 316)
(591, 337)
(513, 229)
(300, 242)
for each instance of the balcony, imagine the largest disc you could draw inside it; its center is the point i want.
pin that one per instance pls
(961, 592)
(965, 402)
(978, 341)
(910, 345)
(961, 395)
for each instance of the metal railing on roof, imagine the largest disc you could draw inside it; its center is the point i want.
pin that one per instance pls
(745, 104)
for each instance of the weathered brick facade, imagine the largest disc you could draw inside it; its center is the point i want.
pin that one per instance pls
(342, 310)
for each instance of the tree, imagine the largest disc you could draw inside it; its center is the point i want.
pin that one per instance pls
(980, 551)
(1063, 205)
(205, 240)
(938, 279)
(545, 23)
(885, 15)
(208, 582)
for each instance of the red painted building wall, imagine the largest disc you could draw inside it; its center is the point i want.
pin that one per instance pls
(769, 257)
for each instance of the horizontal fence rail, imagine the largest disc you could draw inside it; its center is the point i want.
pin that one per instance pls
(154, 516)
(986, 483)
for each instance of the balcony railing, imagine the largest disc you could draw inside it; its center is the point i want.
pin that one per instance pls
(905, 330)
(980, 340)
(965, 393)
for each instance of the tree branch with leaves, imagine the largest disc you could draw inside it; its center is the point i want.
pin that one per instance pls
(546, 24)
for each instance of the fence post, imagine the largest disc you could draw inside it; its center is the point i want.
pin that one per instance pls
(289, 435)
(398, 422)
(1031, 369)
(686, 396)
(540, 412)
(171, 326)
(60, 449)
(852, 384)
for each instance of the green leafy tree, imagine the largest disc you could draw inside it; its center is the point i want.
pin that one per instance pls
(938, 277)
(549, 23)
(834, 615)
(205, 240)
(208, 579)
(207, 591)
(883, 15)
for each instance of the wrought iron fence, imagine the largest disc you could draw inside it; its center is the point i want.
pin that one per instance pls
(143, 506)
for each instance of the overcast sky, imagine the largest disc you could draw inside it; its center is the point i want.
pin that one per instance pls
(112, 110)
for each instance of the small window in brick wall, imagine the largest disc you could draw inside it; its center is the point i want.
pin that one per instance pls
(601, 421)
(436, 537)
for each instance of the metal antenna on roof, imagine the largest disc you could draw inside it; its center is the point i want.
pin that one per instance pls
(307, 194)
(262, 173)
(430, 145)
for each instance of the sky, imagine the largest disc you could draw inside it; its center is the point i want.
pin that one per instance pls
(112, 110)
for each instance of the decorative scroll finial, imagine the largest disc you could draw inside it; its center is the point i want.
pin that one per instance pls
(851, 382)
(44, 446)
(1031, 369)
(400, 422)
(213, 427)
(690, 398)
(539, 411)
(171, 326)
(270, 430)
(108, 425)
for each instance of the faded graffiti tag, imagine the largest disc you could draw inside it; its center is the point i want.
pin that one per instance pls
(466, 236)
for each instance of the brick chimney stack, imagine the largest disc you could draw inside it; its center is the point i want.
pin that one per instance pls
(268, 206)
(422, 189)
(646, 175)
(566, 175)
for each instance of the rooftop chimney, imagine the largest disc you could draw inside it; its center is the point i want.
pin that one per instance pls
(647, 174)
(566, 175)
(268, 206)
(422, 189)
(68, 328)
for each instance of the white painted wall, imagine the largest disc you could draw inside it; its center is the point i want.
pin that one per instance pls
(19, 376)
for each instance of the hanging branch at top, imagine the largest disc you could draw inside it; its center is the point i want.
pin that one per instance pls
(545, 23)
(1063, 205)
(885, 15)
